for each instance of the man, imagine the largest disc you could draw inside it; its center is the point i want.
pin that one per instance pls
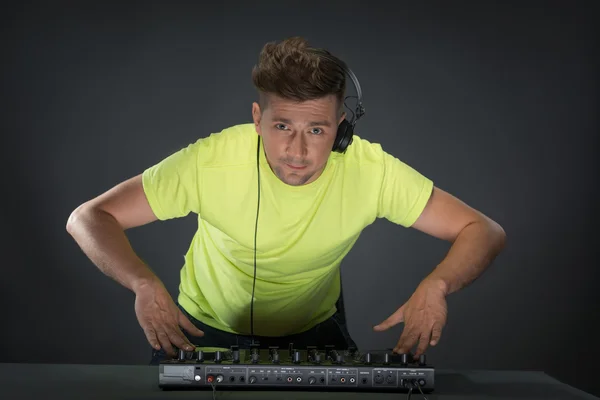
(277, 212)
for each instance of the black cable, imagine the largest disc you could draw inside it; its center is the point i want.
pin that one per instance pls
(214, 391)
(255, 233)
(420, 390)
(410, 389)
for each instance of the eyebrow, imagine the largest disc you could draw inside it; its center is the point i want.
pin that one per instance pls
(312, 123)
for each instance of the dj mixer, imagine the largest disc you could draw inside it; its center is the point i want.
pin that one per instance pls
(297, 369)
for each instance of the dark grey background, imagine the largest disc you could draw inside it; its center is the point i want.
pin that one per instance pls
(496, 103)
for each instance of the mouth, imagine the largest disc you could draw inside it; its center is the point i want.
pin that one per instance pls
(295, 167)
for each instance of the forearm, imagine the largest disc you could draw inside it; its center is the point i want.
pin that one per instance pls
(471, 253)
(103, 240)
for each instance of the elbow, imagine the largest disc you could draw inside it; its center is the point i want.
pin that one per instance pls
(494, 233)
(72, 221)
(500, 236)
(75, 219)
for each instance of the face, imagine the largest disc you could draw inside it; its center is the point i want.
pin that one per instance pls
(297, 136)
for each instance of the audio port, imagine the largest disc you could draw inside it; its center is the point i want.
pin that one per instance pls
(242, 379)
(231, 378)
(364, 381)
(390, 379)
(298, 379)
(352, 380)
(219, 378)
(322, 380)
(343, 380)
(210, 378)
(378, 378)
(422, 382)
(289, 379)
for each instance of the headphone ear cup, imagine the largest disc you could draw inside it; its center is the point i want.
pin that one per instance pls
(343, 138)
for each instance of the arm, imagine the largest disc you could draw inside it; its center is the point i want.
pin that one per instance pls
(98, 226)
(476, 240)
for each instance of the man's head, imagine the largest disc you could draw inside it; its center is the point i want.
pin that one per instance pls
(301, 103)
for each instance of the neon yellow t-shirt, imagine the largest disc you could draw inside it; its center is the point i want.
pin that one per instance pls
(303, 234)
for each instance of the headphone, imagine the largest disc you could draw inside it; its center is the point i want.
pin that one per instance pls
(343, 139)
(345, 130)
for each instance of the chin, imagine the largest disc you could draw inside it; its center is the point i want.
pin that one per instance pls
(296, 182)
(293, 179)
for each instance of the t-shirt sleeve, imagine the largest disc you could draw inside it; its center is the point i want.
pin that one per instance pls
(172, 186)
(404, 192)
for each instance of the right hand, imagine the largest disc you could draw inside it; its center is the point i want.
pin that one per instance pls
(161, 319)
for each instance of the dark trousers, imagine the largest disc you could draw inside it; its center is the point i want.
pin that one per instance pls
(332, 331)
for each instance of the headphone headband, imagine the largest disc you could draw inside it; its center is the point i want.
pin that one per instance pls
(346, 128)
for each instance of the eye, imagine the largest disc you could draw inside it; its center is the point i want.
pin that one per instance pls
(280, 126)
(317, 129)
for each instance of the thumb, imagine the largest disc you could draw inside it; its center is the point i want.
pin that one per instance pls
(185, 323)
(392, 320)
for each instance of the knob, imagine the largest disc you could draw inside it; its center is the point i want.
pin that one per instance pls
(236, 356)
(368, 359)
(333, 355)
(386, 358)
(275, 358)
(339, 359)
(404, 359)
(252, 379)
(218, 356)
(312, 380)
(182, 355)
(330, 352)
(296, 358)
(200, 356)
(255, 353)
(317, 358)
(422, 360)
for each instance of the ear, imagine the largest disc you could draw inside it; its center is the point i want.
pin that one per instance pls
(342, 117)
(256, 116)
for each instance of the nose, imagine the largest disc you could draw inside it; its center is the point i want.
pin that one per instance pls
(297, 146)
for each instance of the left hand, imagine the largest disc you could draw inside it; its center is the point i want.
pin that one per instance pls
(424, 316)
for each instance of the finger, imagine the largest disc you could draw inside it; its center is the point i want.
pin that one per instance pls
(436, 334)
(165, 343)
(407, 341)
(186, 324)
(423, 343)
(151, 337)
(392, 320)
(178, 338)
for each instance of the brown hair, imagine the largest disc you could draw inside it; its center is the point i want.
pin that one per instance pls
(292, 70)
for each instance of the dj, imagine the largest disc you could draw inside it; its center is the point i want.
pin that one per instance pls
(280, 202)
